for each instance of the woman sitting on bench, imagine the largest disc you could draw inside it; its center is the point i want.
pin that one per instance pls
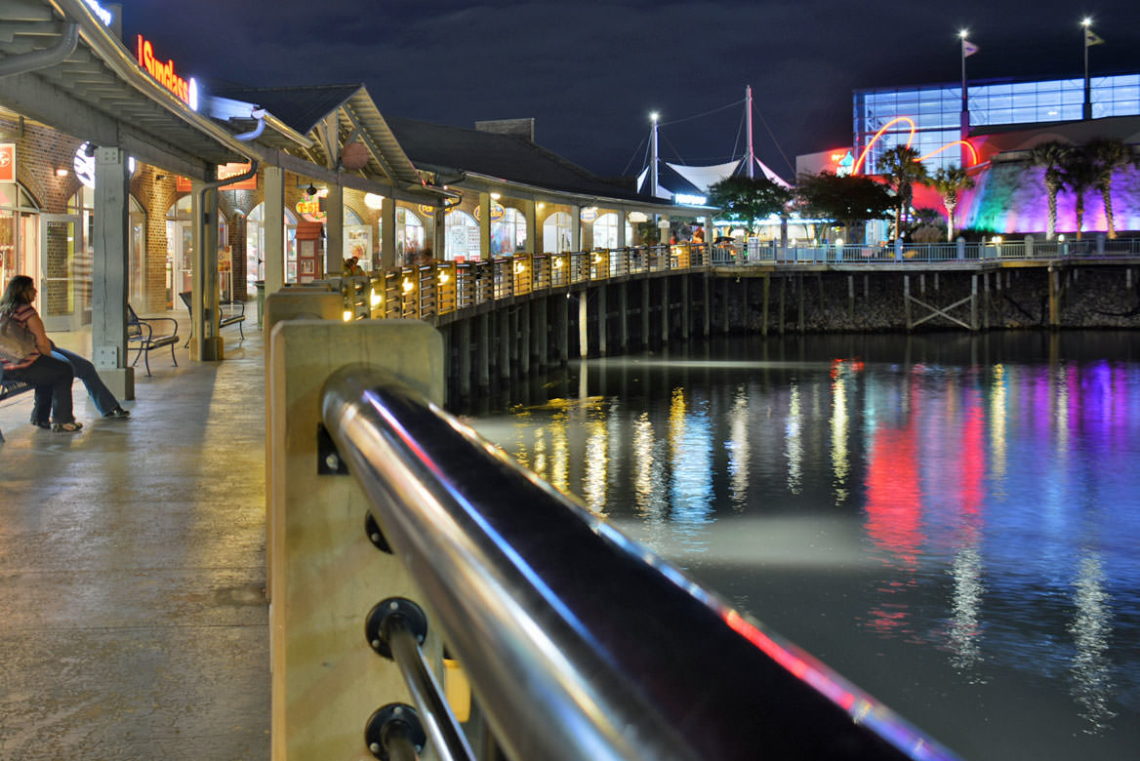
(80, 367)
(51, 377)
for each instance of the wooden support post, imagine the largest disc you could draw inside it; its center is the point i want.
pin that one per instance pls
(504, 320)
(706, 284)
(765, 300)
(462, 338)
(562, 326)
(1054, 298)
(727, 292)
(783, 294)
(525, 349)
(906, 302)
(866, 287)
(645, 309)
(665, 311)
(851, 297)
(922, 283)
(543, 328)
(623, 317)
(987, 305)
(973, 302)
(583, 324)
(685, 314)
(483, 363)
(800, 312)
(744, 308)
(603, 327)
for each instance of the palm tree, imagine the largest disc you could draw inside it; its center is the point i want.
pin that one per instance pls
(1051, 155)
(1108, 155)
(901, 168)
(1081, 174)
(949, 183)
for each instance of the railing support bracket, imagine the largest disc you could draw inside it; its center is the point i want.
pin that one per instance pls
(394, 611)
(395, 723)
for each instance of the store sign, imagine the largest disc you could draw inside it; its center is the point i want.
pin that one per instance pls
(689, 200)
(233, 169)
(310, 209)
(102, 13)
(7, 162)
(187, 91)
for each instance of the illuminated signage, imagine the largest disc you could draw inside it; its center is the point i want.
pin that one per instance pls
(497, 212)
(588, 213)
(310, 209)
(84, 165)
(163, 73)
(7, 162)
(689, 200)
(103, 14)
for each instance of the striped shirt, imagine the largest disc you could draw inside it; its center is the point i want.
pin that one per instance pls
(22, 315)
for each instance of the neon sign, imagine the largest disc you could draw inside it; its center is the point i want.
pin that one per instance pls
(909, 140)
(163, 73)
(103, 14)
(689, 200)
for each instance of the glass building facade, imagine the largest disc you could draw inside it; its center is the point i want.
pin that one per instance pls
(936, 111)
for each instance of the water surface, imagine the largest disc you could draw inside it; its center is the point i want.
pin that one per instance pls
(951, 522)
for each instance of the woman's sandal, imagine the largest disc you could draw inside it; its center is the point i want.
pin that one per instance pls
(71, 427)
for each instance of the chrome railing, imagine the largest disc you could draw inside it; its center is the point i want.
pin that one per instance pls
(579, 643)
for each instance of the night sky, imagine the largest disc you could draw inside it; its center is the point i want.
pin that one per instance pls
(591, 72)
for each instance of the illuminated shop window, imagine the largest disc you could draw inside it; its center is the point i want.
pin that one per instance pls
(556, 234)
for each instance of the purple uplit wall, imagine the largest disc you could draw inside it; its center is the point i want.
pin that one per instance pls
(1011, 198)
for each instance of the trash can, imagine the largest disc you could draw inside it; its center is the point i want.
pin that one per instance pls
(260, 284)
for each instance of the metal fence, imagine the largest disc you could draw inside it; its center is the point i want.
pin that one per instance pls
(440, 288)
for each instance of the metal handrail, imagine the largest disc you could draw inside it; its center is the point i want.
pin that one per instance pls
(579, 643)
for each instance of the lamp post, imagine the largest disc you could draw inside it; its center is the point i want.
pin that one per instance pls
(968, 49)
(1090, 38)
(653, 155)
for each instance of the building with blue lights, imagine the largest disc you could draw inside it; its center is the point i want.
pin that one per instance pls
(935, 111)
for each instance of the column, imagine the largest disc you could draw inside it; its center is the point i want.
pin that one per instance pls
(531, 227)
(273, 181)
(665, 311)
(463, 347)
(484, 358)
(206, 344)
(109, 279)
(575, 228)
(388, 234)
(685, 307)
(603, 309)
(583, 324)
(623, 315)
(334, 231)
(645, 342)
(484, 227)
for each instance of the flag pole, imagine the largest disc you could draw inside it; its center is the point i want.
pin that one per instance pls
(1086, 112)
(964, 124)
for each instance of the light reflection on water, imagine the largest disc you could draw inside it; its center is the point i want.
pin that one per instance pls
(957, 536)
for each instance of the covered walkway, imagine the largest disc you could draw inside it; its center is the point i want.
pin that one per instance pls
(132, 572)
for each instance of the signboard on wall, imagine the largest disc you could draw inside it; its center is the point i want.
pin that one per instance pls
(7, 162)
(233, 169)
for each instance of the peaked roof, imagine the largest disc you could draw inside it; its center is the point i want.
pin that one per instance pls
(301, 108)
(507, 157)
(306, 108)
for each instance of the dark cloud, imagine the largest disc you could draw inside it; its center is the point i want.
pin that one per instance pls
(590, 72)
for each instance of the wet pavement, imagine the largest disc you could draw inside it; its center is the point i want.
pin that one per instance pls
(133, 619)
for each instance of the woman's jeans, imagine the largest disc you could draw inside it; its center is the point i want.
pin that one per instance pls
(52, 379)
(104, 400)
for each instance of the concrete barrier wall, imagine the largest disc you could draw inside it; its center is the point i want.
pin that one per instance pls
(325, 575)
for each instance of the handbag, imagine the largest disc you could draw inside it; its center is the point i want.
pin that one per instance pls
(16, 341)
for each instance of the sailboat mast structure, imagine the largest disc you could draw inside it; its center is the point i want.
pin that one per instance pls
(653, 156)
(748, 122)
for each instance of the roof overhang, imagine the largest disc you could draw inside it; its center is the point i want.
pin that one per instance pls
(98, 92)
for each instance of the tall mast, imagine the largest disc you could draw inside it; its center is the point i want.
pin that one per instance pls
(653, 156)
(748, 122)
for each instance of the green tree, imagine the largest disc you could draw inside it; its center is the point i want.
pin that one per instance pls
(749, 199)
(846, 200)
(901, 168)
(949, 183)
(1051, 155)
(1107, 156)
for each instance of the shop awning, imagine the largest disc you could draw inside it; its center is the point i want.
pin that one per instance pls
(97, 91)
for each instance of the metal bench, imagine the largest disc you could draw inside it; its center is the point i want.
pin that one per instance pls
(233, 313)
(9, 389)
(142, 337)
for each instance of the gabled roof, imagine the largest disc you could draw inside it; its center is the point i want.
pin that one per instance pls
(348, 108)
(506, 157)
(301, 108)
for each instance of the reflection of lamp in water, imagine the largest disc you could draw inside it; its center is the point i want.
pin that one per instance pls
(1091, 629)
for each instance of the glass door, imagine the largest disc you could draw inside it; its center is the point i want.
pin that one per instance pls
(61, 239)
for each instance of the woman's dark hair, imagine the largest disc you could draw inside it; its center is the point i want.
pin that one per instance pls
(16, 293)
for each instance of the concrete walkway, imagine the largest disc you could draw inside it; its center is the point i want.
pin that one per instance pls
(133, 620)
